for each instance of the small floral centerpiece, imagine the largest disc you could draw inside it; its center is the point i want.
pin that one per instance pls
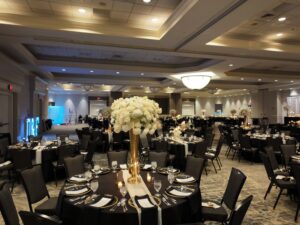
(138, 115)
(233, 112)
(177, 132)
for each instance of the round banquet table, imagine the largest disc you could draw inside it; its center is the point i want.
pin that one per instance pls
(183, 211)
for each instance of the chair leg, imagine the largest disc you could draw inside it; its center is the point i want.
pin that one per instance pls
(278, 197)
(205, 170)
(268, 190)
(297, 211)
(233, 155)
(55, 176)
(218, 163)
(212, 161)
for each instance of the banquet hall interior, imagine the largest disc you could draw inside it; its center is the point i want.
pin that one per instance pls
(156, 112)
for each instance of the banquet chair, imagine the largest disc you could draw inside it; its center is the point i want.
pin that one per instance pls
(287, 152)
(36, 191)
(234, 186)
(194, 167)
(209, 139)
(91, 149)
(296, 172)
(5, 164)
(201, 149)
(84, 141)
(10, 215)
(63, 152)
(280, 183)
(120, 157)
(214, 155)
(240, 211)
(21, 161)
(74, 165)
(246, 147)
(232, 146)
(275, 143)
(161, 146)
(144, 153)
(275, 166)
(117, 139)
(30, 218)
(159, 157)
(235, 135)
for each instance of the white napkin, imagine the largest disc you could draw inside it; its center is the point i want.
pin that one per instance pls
(102, 202)
(280, 177)
(147, 166)
(185, 180)
(123, 166)
(179, 193)
(76, 192)
(210, 204)
(5, 163)
(78, 179)
(145, 203)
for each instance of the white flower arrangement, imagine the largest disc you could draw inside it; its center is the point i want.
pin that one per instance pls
(137, 113)
(177, 132)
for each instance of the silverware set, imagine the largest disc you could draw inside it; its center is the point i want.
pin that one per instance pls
(123, 203)
(169, 198)
(115, 207)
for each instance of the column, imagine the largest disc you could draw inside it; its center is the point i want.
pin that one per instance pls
(175, 102)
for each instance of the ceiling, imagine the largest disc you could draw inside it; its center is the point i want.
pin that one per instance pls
(135, 47)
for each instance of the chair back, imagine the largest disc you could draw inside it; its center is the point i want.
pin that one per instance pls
(235, 134)
(219, 146)
(64, 151)
(74, 165)
(7, 207)
(34, 184)
(268, 167)
(201, 148)
(209, 139)
(296, 174)
(194, 167)
(30, 218)
(144, 141)
(159, 157)
(287, 152)
(240, 211)
(275, 143)
(91, 148)
(245, 142)
(85, 141)
(234, 186)
(120, 157)
(21, 159)
(4, 143)
(272, 157)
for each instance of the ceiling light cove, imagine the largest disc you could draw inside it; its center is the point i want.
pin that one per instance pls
(117, 72)
(146, 1)
(154, 20)
(196, 80)
(279, 34)
(81, 10)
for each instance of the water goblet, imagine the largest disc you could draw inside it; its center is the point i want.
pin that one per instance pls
(154, 166)
(94, 186)
(157, 186)
(123, 191)
(171, 178)
(114, 165)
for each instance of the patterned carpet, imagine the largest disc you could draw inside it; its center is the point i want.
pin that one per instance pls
(212, 186)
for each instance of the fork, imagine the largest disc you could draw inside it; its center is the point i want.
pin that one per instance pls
(123, 203)
(115, 207)
(172, 199)
(165, 201)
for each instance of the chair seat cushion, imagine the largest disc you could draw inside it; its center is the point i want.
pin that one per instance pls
(48, 207)
(209, 155)
(214, 214)
(6, 167)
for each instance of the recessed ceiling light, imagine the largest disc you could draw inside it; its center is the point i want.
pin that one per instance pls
(142, 74)
(275, 80)
(117, 72)
(281, 19)
(291, 88)
(81, 10)
(279, 34)
(154, 20)
(91, 71)
(231, 65)
(259, 79)
(292, 81)
(64, 70)
(280, 89)
(242, 78)
(146, 1)
(244, 89)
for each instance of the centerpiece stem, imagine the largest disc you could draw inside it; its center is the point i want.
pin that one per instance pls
(134, 166)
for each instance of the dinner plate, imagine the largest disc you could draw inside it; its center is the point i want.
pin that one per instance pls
(184, 176)
(102, 171)
(177, 192)
(78, 181)
(77, 188)
(113, 201)
(164, 170)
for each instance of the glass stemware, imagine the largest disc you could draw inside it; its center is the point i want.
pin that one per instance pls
(154, 166)
(114, 165)
(157, 186)
(123, 191)
(94, 186)
(171, 178)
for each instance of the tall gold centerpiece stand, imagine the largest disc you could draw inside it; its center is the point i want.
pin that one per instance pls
(134, 165)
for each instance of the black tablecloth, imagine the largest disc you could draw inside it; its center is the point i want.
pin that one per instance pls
(186, 209)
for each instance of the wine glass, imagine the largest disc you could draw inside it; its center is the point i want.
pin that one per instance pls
(171, 178)
(157, 187)
(170, 169)
(114, 165)
(96, 170)
(94, 185)
(154, 166)
(123, 191)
